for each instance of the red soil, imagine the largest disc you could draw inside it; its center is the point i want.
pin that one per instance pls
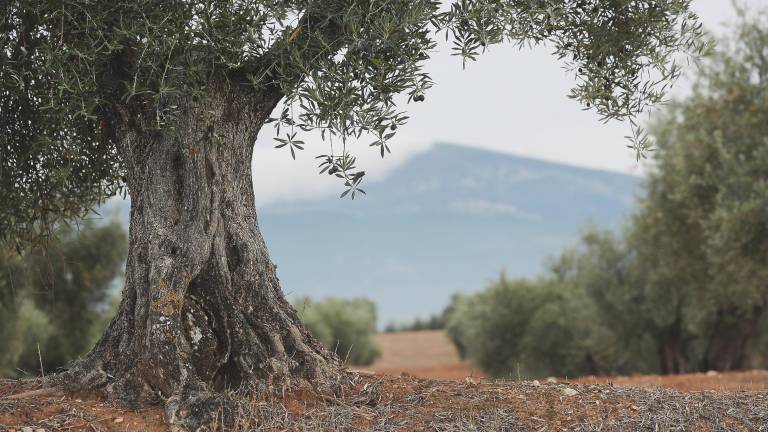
(709, 402)
(386, 403)
(717, 381)
(26, 405)
(424, 354)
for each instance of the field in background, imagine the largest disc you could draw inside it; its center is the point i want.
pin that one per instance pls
(423, 354)
(430, 354)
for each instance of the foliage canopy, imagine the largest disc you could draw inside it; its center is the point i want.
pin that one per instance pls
(74, 74)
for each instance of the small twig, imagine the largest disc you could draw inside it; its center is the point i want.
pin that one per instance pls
(40, 357)
(40, 392)
(349, 351)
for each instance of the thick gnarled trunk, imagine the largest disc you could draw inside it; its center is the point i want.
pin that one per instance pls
(202, 308)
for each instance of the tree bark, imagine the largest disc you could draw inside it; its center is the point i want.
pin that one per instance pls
(202, 309)
(672, 358)
(729, 347)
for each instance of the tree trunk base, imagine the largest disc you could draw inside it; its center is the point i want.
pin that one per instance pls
(194, 405)
(202, 313)
(202, 316)
(195, 408)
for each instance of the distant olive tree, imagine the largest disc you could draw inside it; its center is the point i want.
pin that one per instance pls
(345, 326)
(54, 297)
(642, 323)
(702, 230)
(683, 287)
(534, 328)
(434, 322)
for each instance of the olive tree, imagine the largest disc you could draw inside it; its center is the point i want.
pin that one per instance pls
(531, 328)
(702, 230)
(345, 326)
(52, 297)
(637, 289)
(163, 100)
(689, 271)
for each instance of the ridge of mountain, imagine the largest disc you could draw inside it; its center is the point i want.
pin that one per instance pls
(447, 220)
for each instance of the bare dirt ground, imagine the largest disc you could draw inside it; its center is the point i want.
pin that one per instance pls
(424, 354)
(27, 405)
(720, 382)
(403, 403)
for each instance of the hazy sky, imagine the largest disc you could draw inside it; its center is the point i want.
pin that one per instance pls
(509, 100)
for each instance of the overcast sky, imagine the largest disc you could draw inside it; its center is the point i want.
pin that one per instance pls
(509, 100)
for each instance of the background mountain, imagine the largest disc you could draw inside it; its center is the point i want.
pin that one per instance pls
(448, 220)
